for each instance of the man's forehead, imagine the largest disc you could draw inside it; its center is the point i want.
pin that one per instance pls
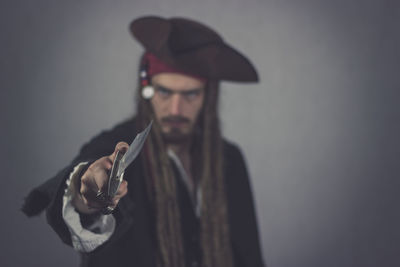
(177, 81)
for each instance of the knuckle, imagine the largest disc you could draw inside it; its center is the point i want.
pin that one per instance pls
(85, 201)
(83, 190)
(91, 167)
(103, 160)
(114, 202)
(92, 204)
(124, 192)
(84, 179)
(85, 198)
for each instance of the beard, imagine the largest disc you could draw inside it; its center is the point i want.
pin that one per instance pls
(175, 135)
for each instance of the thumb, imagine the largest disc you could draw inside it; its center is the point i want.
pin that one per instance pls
(122, 147)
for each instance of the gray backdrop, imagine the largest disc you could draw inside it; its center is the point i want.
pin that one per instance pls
(320, 132)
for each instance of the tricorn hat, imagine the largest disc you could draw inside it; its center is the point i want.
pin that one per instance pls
(193, 47)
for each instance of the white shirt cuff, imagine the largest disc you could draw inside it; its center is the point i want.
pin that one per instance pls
(85, 239)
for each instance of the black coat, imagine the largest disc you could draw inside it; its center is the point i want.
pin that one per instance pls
(133, 242)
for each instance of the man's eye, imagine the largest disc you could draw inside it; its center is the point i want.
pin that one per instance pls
(163, 92)
(191, 95)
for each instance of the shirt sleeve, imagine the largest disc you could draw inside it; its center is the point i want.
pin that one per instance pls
(88, 238)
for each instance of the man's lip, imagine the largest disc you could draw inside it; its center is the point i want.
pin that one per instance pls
(175, 123)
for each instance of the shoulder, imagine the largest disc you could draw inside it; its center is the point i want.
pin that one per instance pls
(232, 152)
(234, 163)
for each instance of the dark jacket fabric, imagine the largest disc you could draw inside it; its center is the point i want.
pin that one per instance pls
(133, 242)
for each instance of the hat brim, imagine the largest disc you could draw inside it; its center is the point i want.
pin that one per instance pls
(210, 57)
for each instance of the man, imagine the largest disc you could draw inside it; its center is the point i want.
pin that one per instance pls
(186, 201)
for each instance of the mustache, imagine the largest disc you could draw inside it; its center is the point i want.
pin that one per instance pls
(179, 119)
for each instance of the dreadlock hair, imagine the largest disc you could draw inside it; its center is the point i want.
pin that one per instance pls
(207, 168)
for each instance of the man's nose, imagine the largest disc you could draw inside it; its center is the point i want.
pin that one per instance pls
(176, 104)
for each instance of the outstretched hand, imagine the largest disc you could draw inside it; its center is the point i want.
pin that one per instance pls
(95, 180)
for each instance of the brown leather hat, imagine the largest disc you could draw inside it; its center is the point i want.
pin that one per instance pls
(192, 47)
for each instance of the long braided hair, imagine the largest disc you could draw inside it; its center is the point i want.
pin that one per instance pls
(208, 173)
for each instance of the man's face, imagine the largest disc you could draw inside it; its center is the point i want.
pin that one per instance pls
(177, 103)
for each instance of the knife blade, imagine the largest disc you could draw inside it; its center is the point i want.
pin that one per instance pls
(123, 160)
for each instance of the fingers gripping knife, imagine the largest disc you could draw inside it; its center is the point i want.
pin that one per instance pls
(121, 162)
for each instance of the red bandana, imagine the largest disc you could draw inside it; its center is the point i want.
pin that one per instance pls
(156, 66)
